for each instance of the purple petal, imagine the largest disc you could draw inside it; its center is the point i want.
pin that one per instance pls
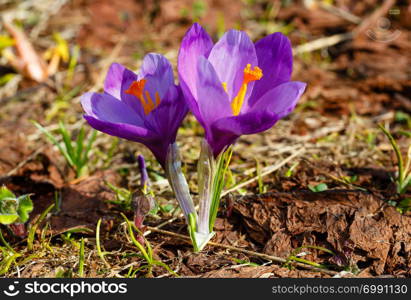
(145, 180)
(275, 58)
(107, 108)
(281, 100)
(212, 100)
(158, 72)
(132, 133)
(114, 79)
(167, 117)
(195, 43)
(118, 80)
(122, 130)
(229, 56)
(86, 103)
(273, 106)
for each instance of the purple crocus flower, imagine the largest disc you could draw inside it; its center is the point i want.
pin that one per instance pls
(236, 87)
(147, 108)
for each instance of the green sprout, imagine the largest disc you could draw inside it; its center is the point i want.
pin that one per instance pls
(296, 254)
(76, 155)
(123, 197)
(100, 253)
(81, 259)
(14, 209)
(403, 178)
(318, 188)
(33, 227)
(146, 252)
(290, 171)
(219, 183)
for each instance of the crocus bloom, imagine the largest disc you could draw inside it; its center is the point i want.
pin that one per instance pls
(236, 87)
(147, 108)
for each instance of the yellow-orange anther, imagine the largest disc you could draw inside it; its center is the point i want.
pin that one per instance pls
(225, 86)
(249, 76)
(252, 75)
(136, 89)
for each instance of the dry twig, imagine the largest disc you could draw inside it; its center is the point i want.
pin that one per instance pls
(248, 252)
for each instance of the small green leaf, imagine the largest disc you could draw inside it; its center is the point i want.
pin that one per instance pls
(14, 209)
(6, 41)
(401, 116)
(405, 205)
(6, 193)
(7, 219)
(289, 172)
(25, 207)
(318, 188)
(8, 202)
(405, 133)
(167, 208)
(6, 78)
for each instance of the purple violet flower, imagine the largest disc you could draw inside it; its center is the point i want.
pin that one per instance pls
(147, 108)
(236, 87)
(145, 180)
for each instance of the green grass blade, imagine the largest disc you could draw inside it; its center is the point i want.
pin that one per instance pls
(3, 240)
(6, 263)
(219, 183)
(135, 242)
(33, 228)
(53, 140)
(81, 259)
(308, 262)
(169, 270)
(91, 138)
(98, 245)
(397, 151)
(67, 142)
(80, 146)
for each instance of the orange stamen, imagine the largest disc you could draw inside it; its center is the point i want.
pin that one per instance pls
(249, 76)
(252, 75)
(136, 89)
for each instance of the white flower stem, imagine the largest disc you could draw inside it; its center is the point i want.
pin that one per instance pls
(206, 172)
(178, 182)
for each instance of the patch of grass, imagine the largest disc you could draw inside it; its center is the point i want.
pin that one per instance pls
(146, 251)
(123, 198)
(33, 228)
(76, 155)
(403, 179)
(100, 253)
